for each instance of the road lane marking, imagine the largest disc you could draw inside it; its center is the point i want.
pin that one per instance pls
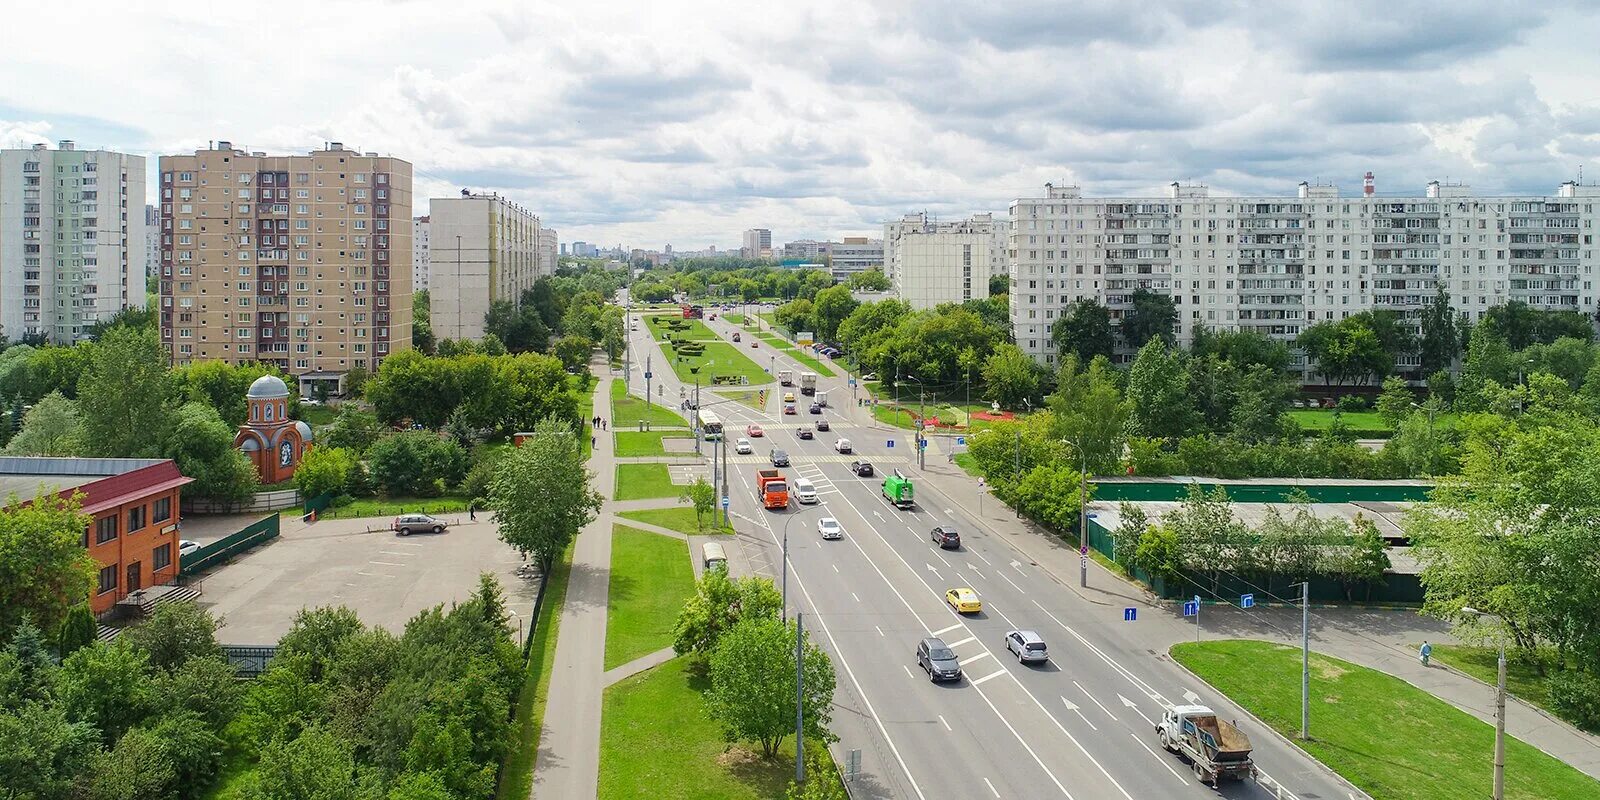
(373, 574)
(997, 673)
(1164, 761)
(980, 557)
(1013, 583)
(1133, 679)
(932, 570)
(1091, 699)
(984, 654)
(1018, 565)
(962, 642)
(940, 556)
(1022, 741)
(857, 599)
(835, 567)
(1191, 696)
(878, 629)
(908, 671)
(396, 553)
(1126, 703)
(946, 724)
(1074, 708)
(975, 571)
(943, 631)
(991, 787)
(386, 563)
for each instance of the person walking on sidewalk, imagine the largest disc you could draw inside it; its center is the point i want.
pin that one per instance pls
(1425, 653)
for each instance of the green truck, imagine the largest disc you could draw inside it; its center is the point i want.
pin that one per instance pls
(897, 487)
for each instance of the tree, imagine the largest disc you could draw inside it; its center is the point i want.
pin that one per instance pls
(77, 630)
(355, 429)
(704, 497)
(207, 687)
(1050, 494)
(1394, 404)
(1441, 341)
(416, 463)
(573, 351)
(1208, 534)
(492, 346)
(1159, 552)
(52, 427)
(202, 445)
(1489, 360)
(1362, 559)
(753, 688)
(519, 329)
(1158, 392)
(830, 308)
(315, 765)
(718, 604)
(1084, 330)
(125, 397)
(324, 471)
(541, 493)
(136, 767)
(42, 753)
(613, 332)
(1009, 376)
(1125, 537)
(1242, 348)
(1346, 350)
(44, 568)
(174, 634)
(796, 315)
(873, 280)
(1090, 414)
(1152, 315)
(106, 685)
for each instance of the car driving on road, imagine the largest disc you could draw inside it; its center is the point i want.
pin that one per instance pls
(743, 446)
(788, 408)
(816, 408)
(804, 432)
(938, 660)
(754, 431)
(842, 445)
(407, 524)
(861, 468)
(829, 528)
(963, 600)
(946, 537)
(778, 457)
(822, 425)
(1027, 646)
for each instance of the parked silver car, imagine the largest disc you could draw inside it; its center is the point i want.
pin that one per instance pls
(407, 524)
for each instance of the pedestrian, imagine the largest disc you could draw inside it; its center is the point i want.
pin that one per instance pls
(594, 441)
(1426, 652)
(472, 511)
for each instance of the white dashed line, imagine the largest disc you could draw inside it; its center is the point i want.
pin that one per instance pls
(878, 629)
(1012, 582)
(991, 787)
(946, 724)
(963, 641)
(908, 671)
(989, 677)
(1091, 699)
(386, 563)
(1159, 758)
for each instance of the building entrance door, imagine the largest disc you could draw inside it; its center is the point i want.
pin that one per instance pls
(133, 577)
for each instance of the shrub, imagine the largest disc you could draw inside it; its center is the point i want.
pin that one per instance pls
(416, 463)
(1353, 402)
(1575, 697)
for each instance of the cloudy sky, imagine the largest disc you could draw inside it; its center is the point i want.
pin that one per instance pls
(652, 122)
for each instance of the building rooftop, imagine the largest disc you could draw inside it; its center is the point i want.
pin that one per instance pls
(23, 477)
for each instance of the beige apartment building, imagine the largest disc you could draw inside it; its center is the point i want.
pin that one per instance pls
(484, 248)
(299, 261)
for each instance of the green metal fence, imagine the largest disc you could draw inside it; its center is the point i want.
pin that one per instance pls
(258, 532)
(1172, 490)
(318, 503)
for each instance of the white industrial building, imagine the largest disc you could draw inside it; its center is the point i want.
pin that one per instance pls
(72, 239)
(484, 248)
(1277, 264)
(931, 262)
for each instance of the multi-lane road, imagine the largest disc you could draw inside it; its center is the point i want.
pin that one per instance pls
(1080, 726)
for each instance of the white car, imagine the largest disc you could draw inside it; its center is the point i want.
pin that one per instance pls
(842, 445)
(829, 528)
(743, 446)
(187, 548)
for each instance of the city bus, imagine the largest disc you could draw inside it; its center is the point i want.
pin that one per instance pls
(710, 425)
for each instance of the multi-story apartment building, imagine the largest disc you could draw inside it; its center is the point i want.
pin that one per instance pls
(421, 267)
(485, 249)
(757, 243)
(302, 261)
(855, 254)
(70, 253)
(808, 250)
(1278, 264)
(932, 262)
(547, 251)
(152, 241)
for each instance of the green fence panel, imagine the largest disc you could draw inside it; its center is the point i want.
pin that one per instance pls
(1171, 491)
(318, 503)
(221, 550)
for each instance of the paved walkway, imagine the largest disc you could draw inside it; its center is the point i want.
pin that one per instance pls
(639, 665)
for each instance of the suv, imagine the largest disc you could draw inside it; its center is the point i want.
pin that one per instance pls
(842, 445)
(946, 537)
(778, 457)
(938, 660)
(407, 524)
(822, 425)
(861, 468)
(805, 432)
(1027, 646)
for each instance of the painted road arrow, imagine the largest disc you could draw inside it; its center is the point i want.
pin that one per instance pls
(1073, 707)
(1130, 704)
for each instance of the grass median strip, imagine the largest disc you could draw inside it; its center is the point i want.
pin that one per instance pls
(679, 518)
(650, 579)
(516, 774)
(628, 409)
(1389, 738)
(644, 481)
(815, 365)
(749, 397)
(718, 359)
(648, 443)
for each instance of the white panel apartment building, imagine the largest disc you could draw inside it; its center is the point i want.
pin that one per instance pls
(485, 248)
(1279, 264)
(548, 246)
(421, 258)
(70, 254)
(932, 262)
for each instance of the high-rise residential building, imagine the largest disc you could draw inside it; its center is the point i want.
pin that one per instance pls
(757, 243)
(808, 250)
(70, 253)
(933, 262)
(855, 254)
(1276, 264)
(547, 251)
(485, 249)
(421, 267)
(300, 261)
(152, 241)
(585, 250)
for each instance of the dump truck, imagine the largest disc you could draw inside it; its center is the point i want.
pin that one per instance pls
(897, 488)
(1213, 746)
(772, 489)
(786, 377)
(808, 383)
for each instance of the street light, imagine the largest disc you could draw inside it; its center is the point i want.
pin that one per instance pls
(792, 517)
(1499, 708)
(1083, 511)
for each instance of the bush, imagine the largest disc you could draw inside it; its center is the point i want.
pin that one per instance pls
(416, 463)
(324, 470)
(1353, 402)
(1575, 697)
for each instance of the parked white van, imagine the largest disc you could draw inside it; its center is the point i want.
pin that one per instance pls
(713, 556)
(805, 491)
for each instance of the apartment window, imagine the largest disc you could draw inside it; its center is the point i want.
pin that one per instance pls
(108, 579)
(161, 557)
(161, 510)
(105, 529)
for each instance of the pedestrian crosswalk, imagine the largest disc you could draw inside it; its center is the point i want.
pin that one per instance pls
(823, 459)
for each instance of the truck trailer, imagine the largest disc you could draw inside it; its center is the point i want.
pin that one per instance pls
(786, 377)
(808, 383)
(1212, 745)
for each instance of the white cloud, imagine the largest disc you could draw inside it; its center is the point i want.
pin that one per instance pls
(643, 123)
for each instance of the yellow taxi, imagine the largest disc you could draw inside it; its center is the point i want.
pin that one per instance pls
(964, 600)
(788, 397)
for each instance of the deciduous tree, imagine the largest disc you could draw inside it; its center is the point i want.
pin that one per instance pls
(1153, 315)
(753, 689)
(125, 397)
(1009, 376)
(44, 568)
(52, 427)
(1084, 330)
(541, 492)
(202, 445)
(718, 604)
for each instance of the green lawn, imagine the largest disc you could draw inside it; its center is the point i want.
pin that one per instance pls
(643, 481)
(651, 577)
(317, 415)
(678, 518)
(627, 409)
(749, 397)
(696, 329)
(1522, 679)
(237, 768)
(1319, 419)
(805, 358)
(719, 358)
(737, 319)
(656, 741)
(516, 773)
(646, 443)
(772, 338)
(394, 506)
(1389, 738)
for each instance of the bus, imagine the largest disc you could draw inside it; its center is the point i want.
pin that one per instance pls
(710, 425)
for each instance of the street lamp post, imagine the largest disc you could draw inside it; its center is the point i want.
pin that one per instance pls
(792, 517)
(1499, 709)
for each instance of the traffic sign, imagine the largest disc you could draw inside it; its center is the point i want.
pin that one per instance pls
(1247, 601)
(1130, 614)
(724, 501)
(852, 380)
(1083, 549)
(647, 375)
(922, 444)
(890, 443)
(1191, 608)
(1083, 562)
(961, 440)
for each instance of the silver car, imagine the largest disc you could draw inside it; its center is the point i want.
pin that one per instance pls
(1027, 646)
(407, 524)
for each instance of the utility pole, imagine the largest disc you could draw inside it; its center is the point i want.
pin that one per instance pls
(1083, 518)
(800, 693)
(1305, 660)
(1019, 467)
(727, 519)
(697, 411)
(1500, 727)
(627, 344)
(647, 360)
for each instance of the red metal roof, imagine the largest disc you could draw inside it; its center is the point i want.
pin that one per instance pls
(115, 490)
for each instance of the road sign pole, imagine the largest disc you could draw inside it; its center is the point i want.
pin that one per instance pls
(799, 700)
(647, 360)
(697, 413)
(1305, 660)
(1197, 618)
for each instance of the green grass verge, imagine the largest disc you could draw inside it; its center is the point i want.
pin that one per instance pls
(317, 415)
(1522, 678)
(737, 319)
(1389, 738)
(657, 741)
(805, 358)
(644, 481)
(394, 506)
(719, 358)
(696, 329)
(678, 518)
(516, 773)
(651, 577)
(647, 443)
(627, 409)
(749, 397)
(772, 338)
(237, 769)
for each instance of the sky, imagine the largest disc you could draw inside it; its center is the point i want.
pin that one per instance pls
(644, 123)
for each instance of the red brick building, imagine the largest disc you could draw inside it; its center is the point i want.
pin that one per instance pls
(134, 504)
(274, 443)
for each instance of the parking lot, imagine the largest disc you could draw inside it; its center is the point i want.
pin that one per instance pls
(385, 578)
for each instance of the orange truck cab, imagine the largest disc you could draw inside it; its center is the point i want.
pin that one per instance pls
(772, 488)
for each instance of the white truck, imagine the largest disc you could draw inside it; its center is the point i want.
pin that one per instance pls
(1213, 746)
(808, 383)
(786, 377)
(822, 398)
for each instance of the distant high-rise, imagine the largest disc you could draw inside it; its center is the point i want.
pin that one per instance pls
(152, 241)
(757, 243)
(421, 265)
(939, 262)
(301, 261)
(485, 248)
(855, 254)
(70, 256)
(547, 251)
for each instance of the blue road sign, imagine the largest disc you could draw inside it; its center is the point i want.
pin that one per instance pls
(1130, 614)
(852, 380)
(961, 440)
(1191, 608)
(890, 443)
(724, 501)
(1247, 601)
(647, 375)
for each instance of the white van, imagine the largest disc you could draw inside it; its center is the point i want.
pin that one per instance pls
(712, 556)
(805, 491)
(822, 398)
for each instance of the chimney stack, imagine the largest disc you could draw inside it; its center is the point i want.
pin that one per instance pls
(1367, 185)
